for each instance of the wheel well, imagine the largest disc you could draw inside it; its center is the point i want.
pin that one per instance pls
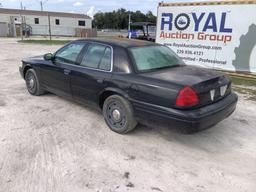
(25, 70)
(104, 96)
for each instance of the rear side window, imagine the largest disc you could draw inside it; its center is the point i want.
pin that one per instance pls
(105, 63)
(97, 57)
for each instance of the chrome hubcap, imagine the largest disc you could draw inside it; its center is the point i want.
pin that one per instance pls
(116, 115)
(31, 83)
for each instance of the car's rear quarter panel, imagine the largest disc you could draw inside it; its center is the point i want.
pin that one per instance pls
(144, 90)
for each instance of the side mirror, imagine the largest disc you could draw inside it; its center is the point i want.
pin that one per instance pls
(48, 57)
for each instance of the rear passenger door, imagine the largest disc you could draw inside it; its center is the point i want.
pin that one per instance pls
(93, 73)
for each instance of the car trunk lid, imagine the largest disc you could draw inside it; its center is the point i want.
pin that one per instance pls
(210, 85)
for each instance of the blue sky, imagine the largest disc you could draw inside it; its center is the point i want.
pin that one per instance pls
(87, 6)
(83, 6)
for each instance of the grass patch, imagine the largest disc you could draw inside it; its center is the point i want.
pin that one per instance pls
(245, 86)
(243, 81)
(46, 42)
(251, 93)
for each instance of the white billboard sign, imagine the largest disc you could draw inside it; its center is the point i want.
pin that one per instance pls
(214, 36)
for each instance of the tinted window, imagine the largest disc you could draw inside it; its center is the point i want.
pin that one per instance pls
(105, 63)
(97, 57)
(69, 53)
(36, 20)
(154, 57)
(81, 23)
(57, 21)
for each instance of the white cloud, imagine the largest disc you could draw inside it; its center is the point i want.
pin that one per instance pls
(78, 4)
(91, 12)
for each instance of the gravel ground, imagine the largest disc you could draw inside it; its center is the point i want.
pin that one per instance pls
(50, 144)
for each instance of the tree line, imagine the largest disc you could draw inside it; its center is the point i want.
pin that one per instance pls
(119, 19)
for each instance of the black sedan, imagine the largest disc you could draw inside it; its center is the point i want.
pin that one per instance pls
(133, 82)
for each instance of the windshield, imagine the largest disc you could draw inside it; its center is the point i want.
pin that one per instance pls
(154, 57)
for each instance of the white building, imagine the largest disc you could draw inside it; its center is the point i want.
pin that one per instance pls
(42, 23)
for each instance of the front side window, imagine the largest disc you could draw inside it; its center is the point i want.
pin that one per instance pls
(97, 57)
(154, 57)
(69, 53)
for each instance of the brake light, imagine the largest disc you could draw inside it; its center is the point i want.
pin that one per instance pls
(187, 97)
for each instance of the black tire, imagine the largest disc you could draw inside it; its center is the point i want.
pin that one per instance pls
(32, 83)
(116, 104)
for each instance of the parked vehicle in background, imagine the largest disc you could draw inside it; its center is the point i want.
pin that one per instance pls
(143, 31)
(133, 82)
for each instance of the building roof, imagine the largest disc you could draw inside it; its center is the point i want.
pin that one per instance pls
(43, 13)
(121, 42)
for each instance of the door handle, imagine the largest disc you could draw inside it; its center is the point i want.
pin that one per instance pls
(67, 71)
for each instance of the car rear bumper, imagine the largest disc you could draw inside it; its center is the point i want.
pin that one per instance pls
(187, 120)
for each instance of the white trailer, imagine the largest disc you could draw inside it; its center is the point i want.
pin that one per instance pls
(219, 35)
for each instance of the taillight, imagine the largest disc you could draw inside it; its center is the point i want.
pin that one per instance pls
(187, 98)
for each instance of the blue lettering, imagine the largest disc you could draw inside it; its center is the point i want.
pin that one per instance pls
(211, 19)
(222, 24)
(166, 22)
(197, 20)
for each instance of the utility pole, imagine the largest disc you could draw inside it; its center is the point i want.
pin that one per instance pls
(49, 24)
(21, 26)
(41, 5)
(21, 5)
(21, 21)
(129, 25)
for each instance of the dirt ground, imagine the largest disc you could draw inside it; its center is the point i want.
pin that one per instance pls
(50, 144)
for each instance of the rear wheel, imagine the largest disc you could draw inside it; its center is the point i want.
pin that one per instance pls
(118, 114)
(32, 83)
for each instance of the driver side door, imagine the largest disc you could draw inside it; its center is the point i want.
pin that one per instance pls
(56, 74)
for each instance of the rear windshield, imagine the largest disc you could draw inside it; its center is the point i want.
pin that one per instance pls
(154, 57)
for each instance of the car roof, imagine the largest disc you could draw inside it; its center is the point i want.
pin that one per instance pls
(120, 42)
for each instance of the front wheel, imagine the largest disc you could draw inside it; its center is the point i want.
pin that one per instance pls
(32, 82)
(118, 114)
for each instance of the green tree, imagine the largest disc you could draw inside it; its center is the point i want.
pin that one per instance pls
(119, 19)
(151, 17)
